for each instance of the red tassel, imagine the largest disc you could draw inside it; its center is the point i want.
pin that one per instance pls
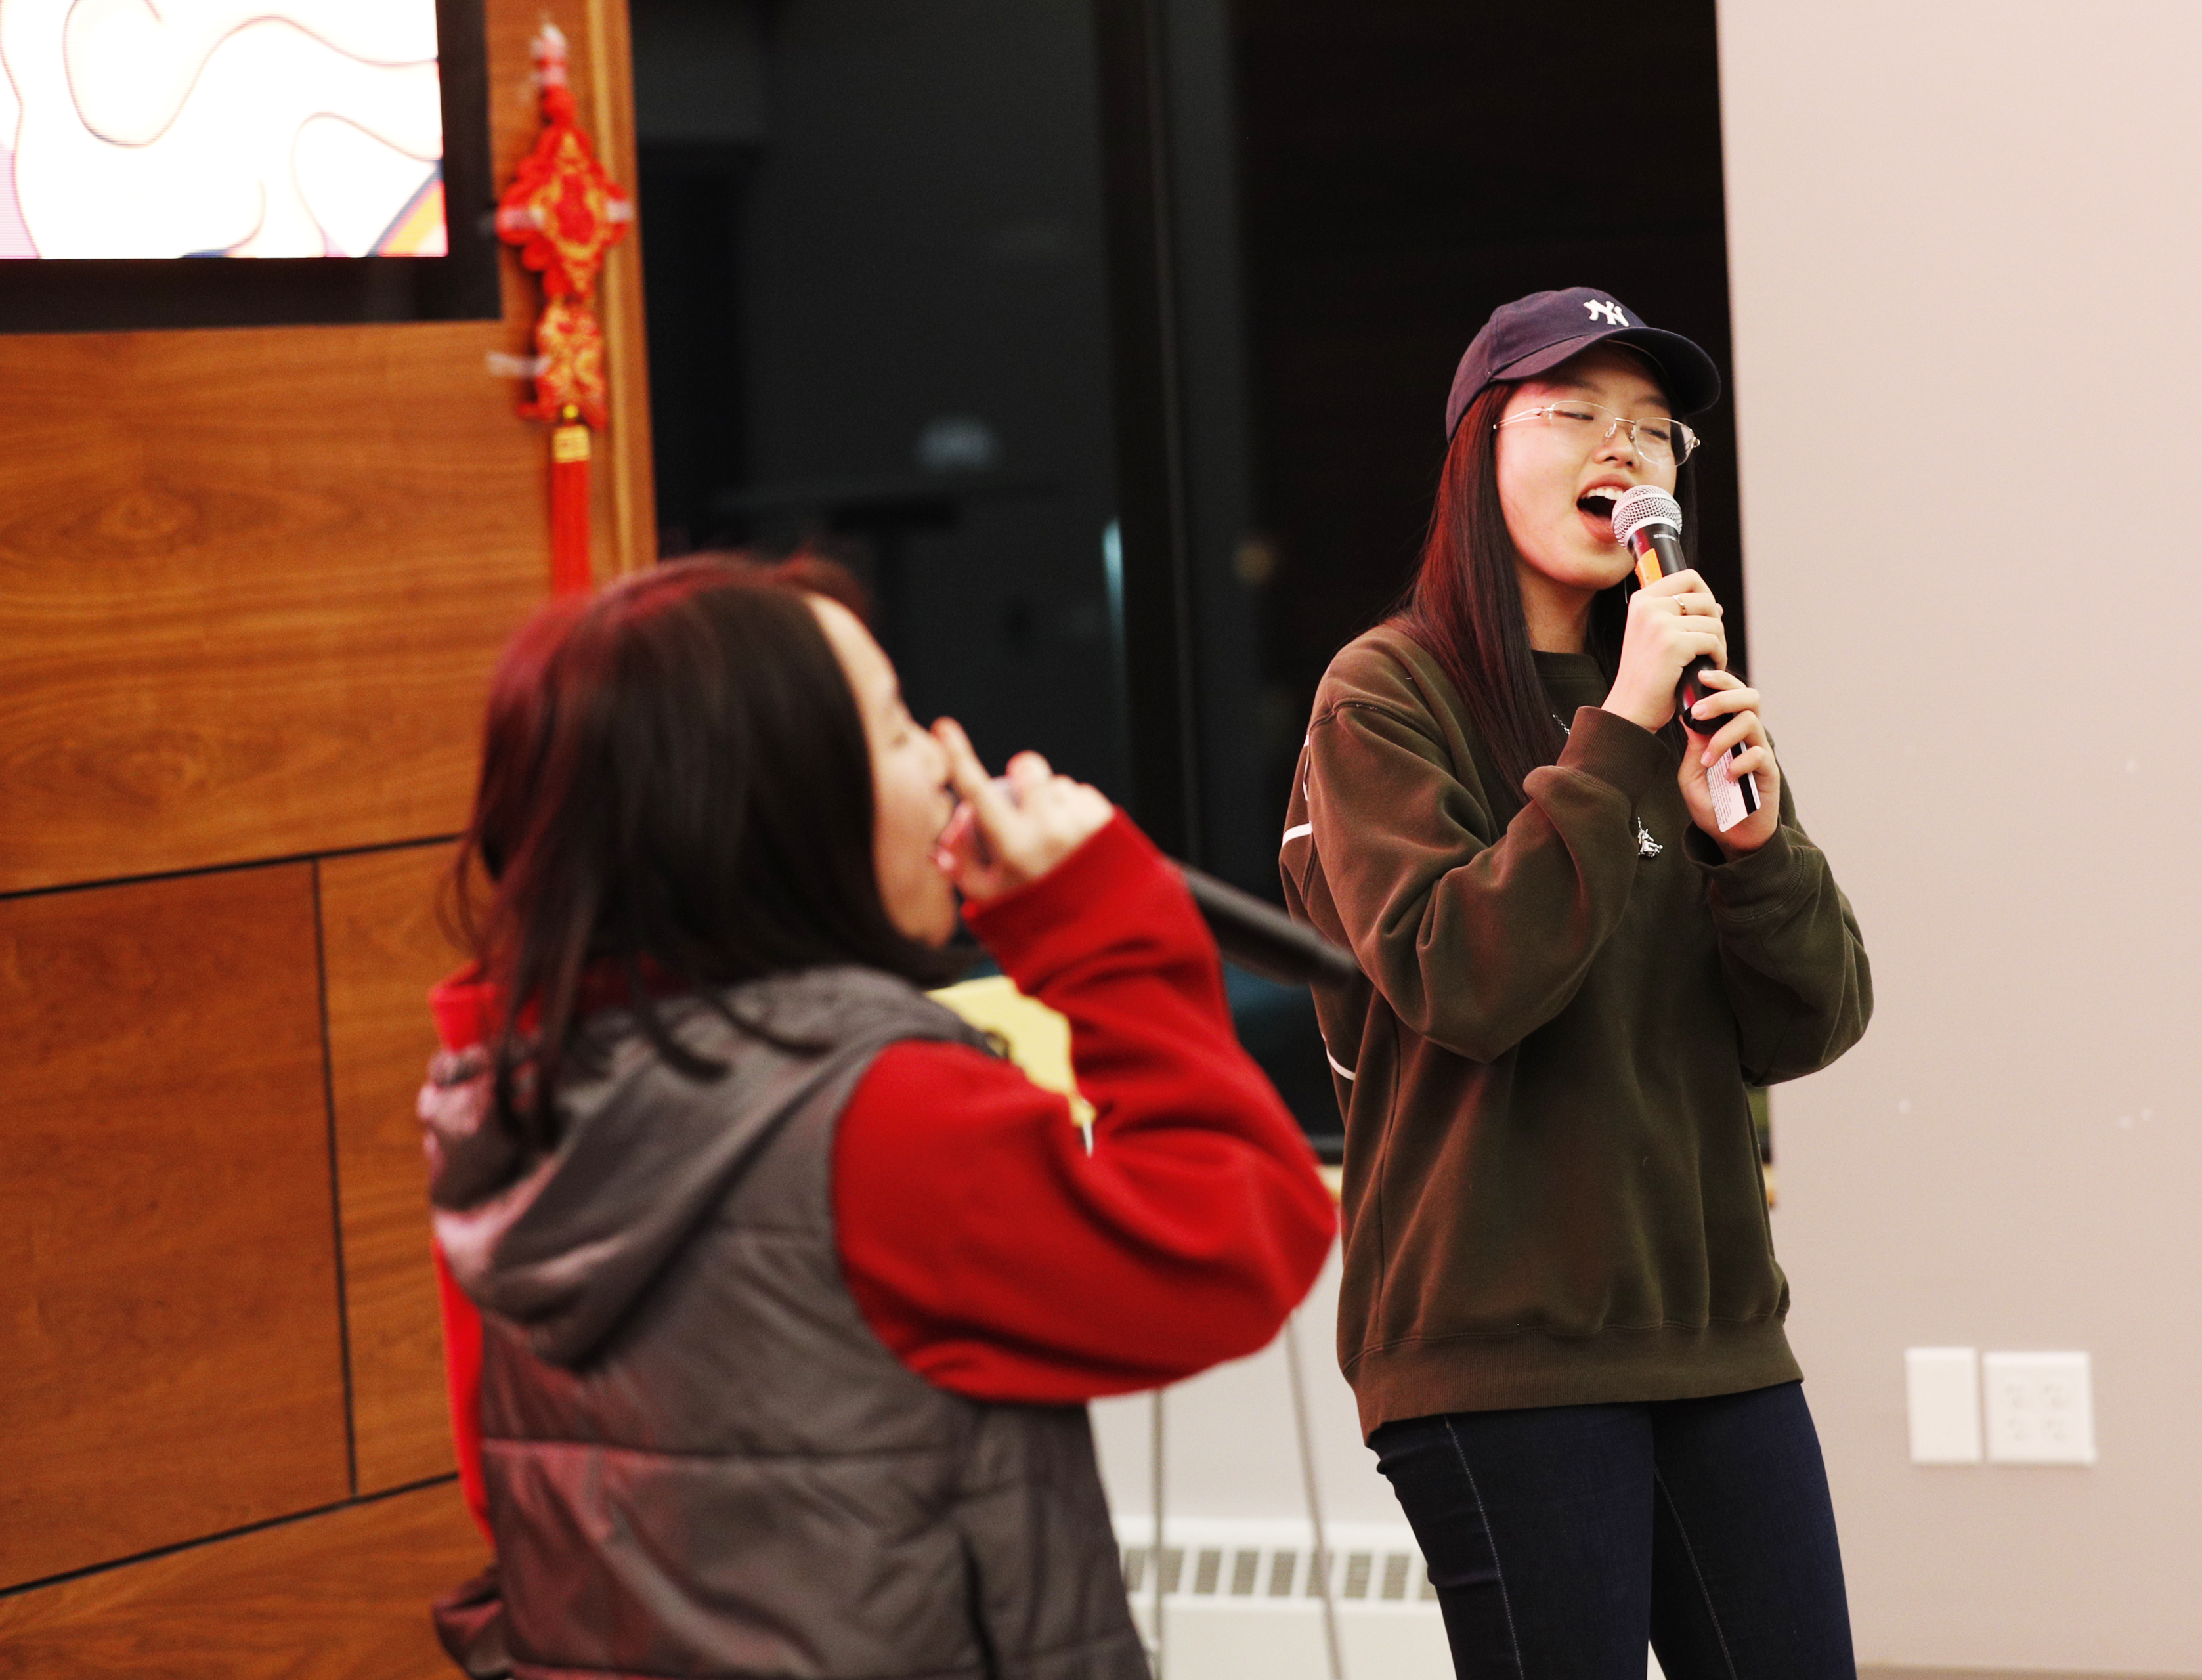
(569, 511)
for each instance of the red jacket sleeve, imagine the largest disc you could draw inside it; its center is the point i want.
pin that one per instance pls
(992, 1254)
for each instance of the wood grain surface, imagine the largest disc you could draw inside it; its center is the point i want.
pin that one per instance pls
(627, 469)
(343, 1595)
(257, 626)
(251, 584)
(382, 948)
(170, 1359)
(251, 581)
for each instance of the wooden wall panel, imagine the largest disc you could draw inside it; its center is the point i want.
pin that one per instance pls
(339, 1596)
(250, 585)
(251, 581)
(382, 949)
(253, 627)
(170, 1359)
(632, 513)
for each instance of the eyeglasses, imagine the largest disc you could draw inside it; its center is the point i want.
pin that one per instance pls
(1585, 425)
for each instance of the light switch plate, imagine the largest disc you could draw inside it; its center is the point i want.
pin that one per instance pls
(2040, 1408)
(1942, 1398)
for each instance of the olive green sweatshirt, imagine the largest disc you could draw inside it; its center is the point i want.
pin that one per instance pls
(1552, 1187)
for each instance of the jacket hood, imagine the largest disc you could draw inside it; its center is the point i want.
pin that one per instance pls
(562, 1243)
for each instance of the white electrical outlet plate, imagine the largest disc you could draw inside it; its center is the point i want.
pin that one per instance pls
(2040, 1408)
(1942, 1398)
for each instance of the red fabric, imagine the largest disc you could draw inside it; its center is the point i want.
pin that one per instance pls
(989, 1251)
(465, 1012)
(462, 1362)
(569, 526)
(992, 1254)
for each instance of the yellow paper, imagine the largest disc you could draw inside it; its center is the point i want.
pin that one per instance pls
(1038, 1038)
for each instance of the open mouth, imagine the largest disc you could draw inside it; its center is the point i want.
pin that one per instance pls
(1596, 506)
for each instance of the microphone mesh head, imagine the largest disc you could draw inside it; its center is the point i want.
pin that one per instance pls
(1647, 504)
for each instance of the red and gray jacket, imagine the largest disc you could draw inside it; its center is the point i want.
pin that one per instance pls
(774, 1370)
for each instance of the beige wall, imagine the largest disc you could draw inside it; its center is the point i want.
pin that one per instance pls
(1966, 247)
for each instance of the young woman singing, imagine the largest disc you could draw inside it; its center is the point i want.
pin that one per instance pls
(1562, 1314)
(781, 1292)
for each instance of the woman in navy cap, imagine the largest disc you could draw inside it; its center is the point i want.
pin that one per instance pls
(1562, 1315)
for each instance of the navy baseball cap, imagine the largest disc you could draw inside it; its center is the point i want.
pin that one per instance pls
(1534, 335)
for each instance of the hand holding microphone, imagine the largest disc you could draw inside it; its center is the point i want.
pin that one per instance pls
(1675, 655)
(1007, 834)
(1010, 831)
(1664, 655)
(1675, 634)
(1727, 734)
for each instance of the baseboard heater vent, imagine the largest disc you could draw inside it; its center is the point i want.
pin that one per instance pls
(1367, 1563)
(1242, 1598)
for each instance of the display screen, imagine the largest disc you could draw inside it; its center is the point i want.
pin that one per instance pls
(145, 129)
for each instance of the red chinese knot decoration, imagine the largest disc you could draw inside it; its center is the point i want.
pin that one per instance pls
(564, 213)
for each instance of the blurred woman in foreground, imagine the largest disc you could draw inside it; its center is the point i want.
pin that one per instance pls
(790, 1291)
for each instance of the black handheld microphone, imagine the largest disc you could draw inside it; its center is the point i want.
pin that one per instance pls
(1258, 936)
(1650, 521)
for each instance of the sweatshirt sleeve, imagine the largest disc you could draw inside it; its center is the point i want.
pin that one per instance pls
(995, 1257)
(1792, 958)
(1475, 936)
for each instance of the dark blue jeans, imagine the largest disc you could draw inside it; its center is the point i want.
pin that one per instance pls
(1561, 1537)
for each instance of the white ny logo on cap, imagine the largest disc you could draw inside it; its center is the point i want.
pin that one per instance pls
(1611, 311)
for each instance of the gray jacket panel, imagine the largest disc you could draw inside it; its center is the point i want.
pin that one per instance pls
(701, 1461)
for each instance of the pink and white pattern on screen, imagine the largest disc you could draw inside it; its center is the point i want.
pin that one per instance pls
(130, 128)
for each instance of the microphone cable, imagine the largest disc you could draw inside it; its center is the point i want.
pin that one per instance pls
(1320, 1563)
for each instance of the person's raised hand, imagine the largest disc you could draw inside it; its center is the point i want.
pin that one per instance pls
(1726, 716)
(1670, 622)
(1005, 837)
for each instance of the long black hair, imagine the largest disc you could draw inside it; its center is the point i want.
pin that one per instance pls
(1465, 605)
(675, 796)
